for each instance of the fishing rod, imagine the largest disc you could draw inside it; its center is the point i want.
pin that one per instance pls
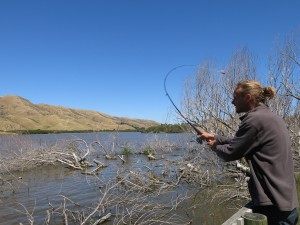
(178, 111)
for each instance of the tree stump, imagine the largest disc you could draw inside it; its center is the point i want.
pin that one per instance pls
(255, 219)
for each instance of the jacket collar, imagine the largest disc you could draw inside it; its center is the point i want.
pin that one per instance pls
(259, 107)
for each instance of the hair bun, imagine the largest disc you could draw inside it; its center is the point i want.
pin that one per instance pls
(269, 92)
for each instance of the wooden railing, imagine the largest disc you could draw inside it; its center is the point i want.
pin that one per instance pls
(244, 216)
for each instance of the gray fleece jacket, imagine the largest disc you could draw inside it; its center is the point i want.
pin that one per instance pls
(264, 141)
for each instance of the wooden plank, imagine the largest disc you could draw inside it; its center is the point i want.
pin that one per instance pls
(240, 221)
(237, 215)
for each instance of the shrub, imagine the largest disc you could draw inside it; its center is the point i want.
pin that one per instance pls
(147, 150)
(126, 151)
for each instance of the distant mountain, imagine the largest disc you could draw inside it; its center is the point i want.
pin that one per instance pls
(19, 114)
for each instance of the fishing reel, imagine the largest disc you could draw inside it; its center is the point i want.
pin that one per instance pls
(199, 140)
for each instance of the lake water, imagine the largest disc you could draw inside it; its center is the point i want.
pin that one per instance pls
(51, 189)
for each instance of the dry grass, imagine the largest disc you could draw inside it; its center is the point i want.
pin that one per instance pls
(20, 114)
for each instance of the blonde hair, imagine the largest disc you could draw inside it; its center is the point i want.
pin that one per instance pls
(255, 89)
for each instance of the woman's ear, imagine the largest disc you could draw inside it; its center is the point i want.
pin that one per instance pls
(248, 97)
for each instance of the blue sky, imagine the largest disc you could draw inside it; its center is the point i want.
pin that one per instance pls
(111, 56)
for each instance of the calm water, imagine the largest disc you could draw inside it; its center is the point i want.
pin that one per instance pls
(46, 188)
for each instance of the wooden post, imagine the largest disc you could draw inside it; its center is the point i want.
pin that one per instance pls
(255, 219)
(297, 179)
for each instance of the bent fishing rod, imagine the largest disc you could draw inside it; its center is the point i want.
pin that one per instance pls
(178, 111)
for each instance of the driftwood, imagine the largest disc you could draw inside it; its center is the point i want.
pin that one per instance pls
(74, 161)
(243, 168)
(102, 219)
(151, 157)
(106, 154)
(99, 164)
(128, 195)
(122, 158)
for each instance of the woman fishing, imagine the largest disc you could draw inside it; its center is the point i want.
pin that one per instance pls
(263, 139)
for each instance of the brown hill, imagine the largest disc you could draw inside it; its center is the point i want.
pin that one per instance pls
(17, 113)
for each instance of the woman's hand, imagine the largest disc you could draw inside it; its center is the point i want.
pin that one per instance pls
(207, 136)
(212, 144)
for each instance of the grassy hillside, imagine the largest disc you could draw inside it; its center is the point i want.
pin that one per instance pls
(17, 113)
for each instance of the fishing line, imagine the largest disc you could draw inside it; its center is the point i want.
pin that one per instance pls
(178, 111)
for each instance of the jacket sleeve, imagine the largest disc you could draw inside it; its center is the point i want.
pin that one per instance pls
(221, 140)
(230, 149)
